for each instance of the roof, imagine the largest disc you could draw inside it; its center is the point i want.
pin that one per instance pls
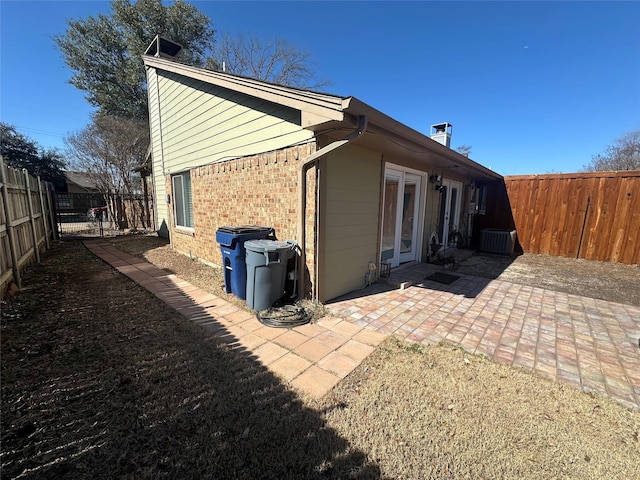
(82, 179)
(316, 107)
(333, 114)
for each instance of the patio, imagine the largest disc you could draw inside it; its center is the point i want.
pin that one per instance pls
(591, 344)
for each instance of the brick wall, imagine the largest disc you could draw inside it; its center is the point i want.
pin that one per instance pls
(256, 190)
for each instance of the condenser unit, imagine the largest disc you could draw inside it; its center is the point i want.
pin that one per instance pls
(493, 240)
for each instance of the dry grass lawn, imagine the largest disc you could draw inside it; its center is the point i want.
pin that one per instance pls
(99, 380)
(441, 413)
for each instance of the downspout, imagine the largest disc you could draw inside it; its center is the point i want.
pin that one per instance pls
(307, 163)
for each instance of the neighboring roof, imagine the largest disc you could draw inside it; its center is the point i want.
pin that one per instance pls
(82, 179)
(323, 112)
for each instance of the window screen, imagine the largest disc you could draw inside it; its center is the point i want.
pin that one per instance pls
(182, 203)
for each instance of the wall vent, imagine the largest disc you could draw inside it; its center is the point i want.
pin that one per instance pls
(497, 241)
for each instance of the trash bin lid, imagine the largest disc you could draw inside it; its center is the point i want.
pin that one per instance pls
(266, 245)
(244, 229)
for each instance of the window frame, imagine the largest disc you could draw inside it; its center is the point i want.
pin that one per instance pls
(182, 201)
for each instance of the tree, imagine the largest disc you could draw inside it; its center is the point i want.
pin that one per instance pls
(110, 148)
(272, 60)
(105, 52)
(624, 154)
(18, 151)
(464, 150)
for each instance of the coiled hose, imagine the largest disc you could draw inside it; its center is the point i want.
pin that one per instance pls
(284, 317)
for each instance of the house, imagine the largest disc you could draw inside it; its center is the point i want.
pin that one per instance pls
(351, 185)
(79, 192)
(81, 182)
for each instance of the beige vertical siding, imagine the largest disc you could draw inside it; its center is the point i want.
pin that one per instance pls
(197, 124)
(159, 184)
(350, 206)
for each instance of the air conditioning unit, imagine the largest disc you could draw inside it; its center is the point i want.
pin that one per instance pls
(493, 240)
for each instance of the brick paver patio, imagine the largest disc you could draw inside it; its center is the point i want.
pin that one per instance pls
(592, 344)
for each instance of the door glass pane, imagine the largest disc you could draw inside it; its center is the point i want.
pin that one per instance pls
(453, 214)
(443, 219)
(408, 214)
(389, 217)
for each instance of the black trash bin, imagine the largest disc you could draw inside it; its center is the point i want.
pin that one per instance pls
(266, 271)
(232, 240)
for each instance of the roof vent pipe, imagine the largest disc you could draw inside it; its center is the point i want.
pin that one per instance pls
(441, 133)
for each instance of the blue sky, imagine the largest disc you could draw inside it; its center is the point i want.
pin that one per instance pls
(533, 87)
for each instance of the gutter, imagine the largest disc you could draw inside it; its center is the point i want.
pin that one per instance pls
(307, 163)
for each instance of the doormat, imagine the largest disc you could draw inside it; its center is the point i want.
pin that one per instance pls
(442, 278)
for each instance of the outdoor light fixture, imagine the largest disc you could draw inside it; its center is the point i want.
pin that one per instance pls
(437, 179)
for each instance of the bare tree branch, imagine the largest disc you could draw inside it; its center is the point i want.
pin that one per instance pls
(272, 60)
(624, 154)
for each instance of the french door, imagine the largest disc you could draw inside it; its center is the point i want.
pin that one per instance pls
(449, 211)
(400, 218)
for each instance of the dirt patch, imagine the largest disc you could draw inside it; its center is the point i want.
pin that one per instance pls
(614, 282)
(98, 376)
(158, 251)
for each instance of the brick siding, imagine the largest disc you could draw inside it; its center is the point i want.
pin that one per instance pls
(256, 190)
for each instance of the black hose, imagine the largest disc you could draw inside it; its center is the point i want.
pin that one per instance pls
(285, 317)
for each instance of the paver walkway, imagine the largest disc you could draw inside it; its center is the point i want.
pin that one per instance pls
(592, 344)
(312, 358)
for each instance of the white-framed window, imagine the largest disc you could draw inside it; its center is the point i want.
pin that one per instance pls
(182, 203)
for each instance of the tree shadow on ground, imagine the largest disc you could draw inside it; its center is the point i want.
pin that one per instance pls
(100, 379)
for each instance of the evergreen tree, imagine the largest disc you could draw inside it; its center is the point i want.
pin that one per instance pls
(19, 151)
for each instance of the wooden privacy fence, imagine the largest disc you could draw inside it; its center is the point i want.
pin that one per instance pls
(595, 216)
(27, 222)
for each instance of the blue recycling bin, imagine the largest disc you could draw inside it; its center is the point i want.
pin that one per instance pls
(231, 240)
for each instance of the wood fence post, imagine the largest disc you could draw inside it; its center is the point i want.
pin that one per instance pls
(10, 233)
(45, 222)
(52, 211)
(32, 220)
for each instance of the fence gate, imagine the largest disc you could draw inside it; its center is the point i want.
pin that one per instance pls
(82, 215)
(97, 215)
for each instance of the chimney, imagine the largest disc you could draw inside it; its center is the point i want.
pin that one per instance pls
(161, 47)
(441, 133)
